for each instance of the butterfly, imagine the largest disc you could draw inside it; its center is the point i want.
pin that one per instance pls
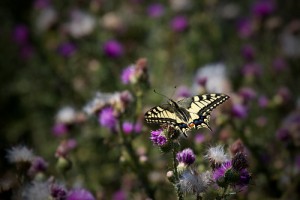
(186, 114)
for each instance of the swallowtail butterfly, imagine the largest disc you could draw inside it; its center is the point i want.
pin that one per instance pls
(186, 114)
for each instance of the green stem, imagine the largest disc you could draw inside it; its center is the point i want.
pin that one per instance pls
(178, 190)
(137, 168)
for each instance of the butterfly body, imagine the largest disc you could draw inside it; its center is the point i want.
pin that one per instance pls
(186, 114)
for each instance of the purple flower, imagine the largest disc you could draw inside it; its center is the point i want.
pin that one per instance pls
(155, 10)
(239, 111)
(283, 135)
(158, 138)
(66, 49)
(58, 192)
(127, 127)
(244, 179)
(220, 172)
(41, 4)
(179, 23)
(59, 129)
(251, 69)
(21, 34)
(186, 156)
(279, 64)
(263, 8)
(199, 138)
(183, 91)
(37, 165)
(138, 127)
(80, 194)
(113, 49)
(263, 101)
(127, 74)
(107, 118)
(244, 28)
(248, 52)
(119, 195)
(247, 93)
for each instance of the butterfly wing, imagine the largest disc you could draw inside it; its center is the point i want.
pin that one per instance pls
(200, 107)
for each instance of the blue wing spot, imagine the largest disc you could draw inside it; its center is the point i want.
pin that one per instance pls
(199, 121)
(182, 125)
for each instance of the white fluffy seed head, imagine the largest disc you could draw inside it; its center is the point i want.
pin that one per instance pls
(216, 155)
(20, 154)
(193, 182)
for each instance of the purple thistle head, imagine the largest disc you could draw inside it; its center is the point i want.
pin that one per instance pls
(58, 192)
(186, 156)
(247, 94)
(21, 34)
(66, 49)
(263, 8)
(119, 195)
(127, 127)
(59, 129)
(158, 138)
(244, 179)
(248, 52)
(283, 134)
(113, 49)
(107, 118)
(37, 165)
(80, 194)
(263, 101)
(244, 28)
(239, 161)
(179, 23)
(279, 64)
(183, 91)
(155, 10)
(239, 111)
(127, 74)
(220, 172)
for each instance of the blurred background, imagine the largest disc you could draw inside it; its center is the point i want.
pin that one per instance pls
(56, 55)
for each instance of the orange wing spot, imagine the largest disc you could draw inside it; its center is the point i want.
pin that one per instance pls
(191, 125)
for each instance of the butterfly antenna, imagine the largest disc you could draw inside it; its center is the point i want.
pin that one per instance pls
(161, 94)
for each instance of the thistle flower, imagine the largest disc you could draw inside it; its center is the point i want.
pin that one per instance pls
(66, 49)
(248, 52)
(65, 147)
(182, 92)
(245, 28)
(58, 192)
(21, 34)
(216, 156)
(245, 178)
(155, 10)
(186, 156)
(127, 75)
(127, 127)
(119, 195)
(239, 111)
(179, 23)
(36, 190)
(113, 49)
(247, 94)
(59, 129)
(107, 118)
(158, 138)
(20, 154)
(263, 8)
(239, 161)
(193, 182)
(221, 171)
(80, 194)
(38, 165)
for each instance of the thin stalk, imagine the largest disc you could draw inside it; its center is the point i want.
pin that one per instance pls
(178, 190)
(137, 168)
